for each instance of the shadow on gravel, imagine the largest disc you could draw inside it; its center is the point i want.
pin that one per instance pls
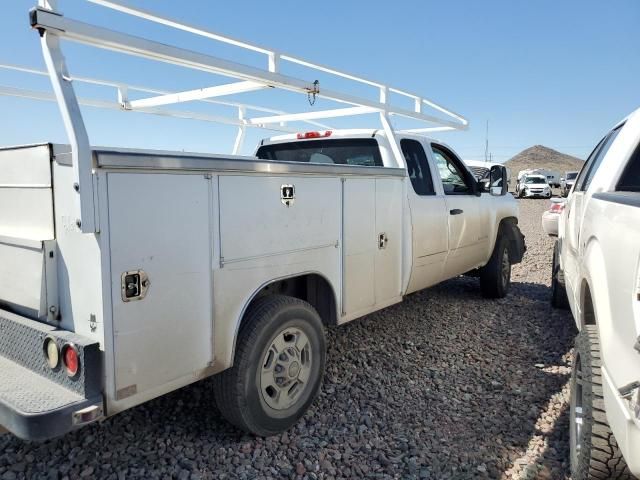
(444, 385)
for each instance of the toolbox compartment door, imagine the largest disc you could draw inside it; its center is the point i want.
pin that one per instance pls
(161, 226)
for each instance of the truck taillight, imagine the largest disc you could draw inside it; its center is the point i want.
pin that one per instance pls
(304, 135)
(557, 207)
(51, 353)
(71, 359)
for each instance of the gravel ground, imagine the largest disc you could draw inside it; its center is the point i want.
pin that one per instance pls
(446, 385)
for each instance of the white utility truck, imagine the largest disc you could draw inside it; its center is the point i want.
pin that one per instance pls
(596, 272)
(129, 273)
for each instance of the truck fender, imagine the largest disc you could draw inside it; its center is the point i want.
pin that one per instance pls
(328, 314)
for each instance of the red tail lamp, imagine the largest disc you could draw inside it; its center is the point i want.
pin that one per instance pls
(71, 359)
(556, 207)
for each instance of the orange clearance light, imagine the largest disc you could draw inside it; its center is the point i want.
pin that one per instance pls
(71, 359)
(305, 135)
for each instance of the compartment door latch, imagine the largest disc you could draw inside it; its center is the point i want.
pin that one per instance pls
(134, 285)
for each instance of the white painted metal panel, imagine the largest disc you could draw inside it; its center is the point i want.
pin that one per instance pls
(359, 244)
(21, 278)
(429, 220)
(26, 204)
(388, 261)
(255, 223)
(161, 224)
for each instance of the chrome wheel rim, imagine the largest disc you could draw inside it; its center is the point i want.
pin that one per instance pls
(577, 412)
(505, 268)
(285, 369)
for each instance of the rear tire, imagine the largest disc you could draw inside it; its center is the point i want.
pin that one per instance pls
(594, 450)
(495, 276)
(558, 290)
(278, 366)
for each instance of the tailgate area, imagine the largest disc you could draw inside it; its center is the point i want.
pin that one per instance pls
(39, 402)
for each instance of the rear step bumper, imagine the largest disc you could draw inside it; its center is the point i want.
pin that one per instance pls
(35, 408)
(36, 401)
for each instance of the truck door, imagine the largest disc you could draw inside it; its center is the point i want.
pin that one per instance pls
(575, 209)
(429, 220)
(466, 232)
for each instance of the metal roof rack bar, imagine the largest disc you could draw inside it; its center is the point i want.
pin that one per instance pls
(53, 27)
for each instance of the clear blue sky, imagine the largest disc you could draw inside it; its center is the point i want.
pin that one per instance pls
(550, 72)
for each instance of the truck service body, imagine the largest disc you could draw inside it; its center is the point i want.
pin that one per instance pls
(131, 273)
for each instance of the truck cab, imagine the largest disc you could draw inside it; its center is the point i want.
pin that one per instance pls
(596, 270)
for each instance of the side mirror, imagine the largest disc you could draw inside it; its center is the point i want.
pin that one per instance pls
(484, 184)
(498, 184)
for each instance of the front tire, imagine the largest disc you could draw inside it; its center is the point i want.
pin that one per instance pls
(558, 291)
(594, 450)
(278, 366)
(495, 276)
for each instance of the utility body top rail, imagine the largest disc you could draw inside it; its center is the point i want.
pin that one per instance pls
(53, 27)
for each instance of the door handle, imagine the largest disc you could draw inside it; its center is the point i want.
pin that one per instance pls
(456, 211)
(382, 241)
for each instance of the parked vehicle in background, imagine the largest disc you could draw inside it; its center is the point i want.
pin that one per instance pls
(127, 274)
(480, 168)
(567, 184)
(596, 273)
(533, 186)
(552, 177)
(551, 217)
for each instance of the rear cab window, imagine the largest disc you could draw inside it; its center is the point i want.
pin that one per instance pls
(362, 152)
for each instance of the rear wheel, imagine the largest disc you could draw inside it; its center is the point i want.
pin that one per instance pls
(495, 276)
(594, 450)
(558, 291)
(278, 366)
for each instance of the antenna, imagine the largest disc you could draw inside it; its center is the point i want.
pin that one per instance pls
(486, 144)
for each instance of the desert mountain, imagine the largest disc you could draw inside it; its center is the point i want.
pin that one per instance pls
(540, 156)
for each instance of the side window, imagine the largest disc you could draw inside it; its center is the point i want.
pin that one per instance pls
(594, 160)
(630, 179)
(454, 179)
(417, 167)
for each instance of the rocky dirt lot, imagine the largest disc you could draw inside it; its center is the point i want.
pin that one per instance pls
(446, 385)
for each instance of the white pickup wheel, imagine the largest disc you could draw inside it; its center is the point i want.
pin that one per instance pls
(278, 366)
(495, 276)
(594, 450)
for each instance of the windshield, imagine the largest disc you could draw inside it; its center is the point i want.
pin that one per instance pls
(530, 180)
(572, 175)
(362, 152)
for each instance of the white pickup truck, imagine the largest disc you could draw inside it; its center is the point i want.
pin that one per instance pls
(596, 272)
(128, 273)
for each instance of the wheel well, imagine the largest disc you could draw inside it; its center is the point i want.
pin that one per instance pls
(505, 227)
(311, 287)
(588, 312)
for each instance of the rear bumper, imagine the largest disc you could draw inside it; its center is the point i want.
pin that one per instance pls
(37, 402)
(35, 408)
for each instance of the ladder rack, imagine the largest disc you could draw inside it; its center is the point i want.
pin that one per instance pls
(54, 26)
